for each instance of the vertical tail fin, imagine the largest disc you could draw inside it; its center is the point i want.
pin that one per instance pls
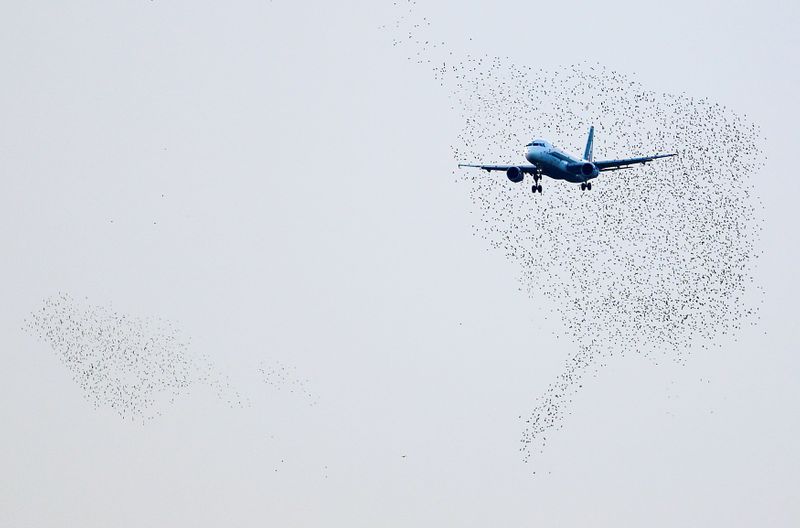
(587, 155)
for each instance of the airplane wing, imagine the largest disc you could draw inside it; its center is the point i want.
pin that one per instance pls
(619, 164)
(527, 169)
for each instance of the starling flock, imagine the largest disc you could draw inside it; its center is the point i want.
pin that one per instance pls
(283, 377)
(656, 260)
(134, 365)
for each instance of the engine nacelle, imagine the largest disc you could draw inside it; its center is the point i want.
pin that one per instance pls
(588, 169)
(515, 174)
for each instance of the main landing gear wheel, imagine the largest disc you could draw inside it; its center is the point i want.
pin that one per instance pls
(583, 186)
(536, 188)
(586, 186)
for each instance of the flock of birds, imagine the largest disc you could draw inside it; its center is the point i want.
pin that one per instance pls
(283, 377)
(133, 365)
(657, 260)
(138, 365)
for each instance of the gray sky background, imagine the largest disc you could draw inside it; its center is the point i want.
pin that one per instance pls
(309, 215)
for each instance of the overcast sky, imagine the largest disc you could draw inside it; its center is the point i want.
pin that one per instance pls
(276, 179)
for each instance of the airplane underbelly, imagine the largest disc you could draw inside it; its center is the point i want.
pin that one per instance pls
(574, 178)
(558, 173)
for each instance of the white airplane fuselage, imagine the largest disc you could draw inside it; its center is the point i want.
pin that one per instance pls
(559, 165)
(549, 161)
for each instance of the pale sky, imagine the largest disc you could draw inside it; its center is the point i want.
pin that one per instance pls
(276, 179)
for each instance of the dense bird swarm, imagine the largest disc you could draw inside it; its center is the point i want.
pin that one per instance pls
(134, 365)
(655, 260)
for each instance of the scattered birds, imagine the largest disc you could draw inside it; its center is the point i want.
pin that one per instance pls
(657, 260)
(283, 377)
(133, 365)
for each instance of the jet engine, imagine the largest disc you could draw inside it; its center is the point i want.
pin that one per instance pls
(588, 169)
(515, 174)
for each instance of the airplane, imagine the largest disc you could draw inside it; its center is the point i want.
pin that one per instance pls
(550, 161)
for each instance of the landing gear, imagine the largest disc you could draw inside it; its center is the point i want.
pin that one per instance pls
(537, 187)
(586, 186)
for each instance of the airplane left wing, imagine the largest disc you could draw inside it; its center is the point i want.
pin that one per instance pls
(618, 164)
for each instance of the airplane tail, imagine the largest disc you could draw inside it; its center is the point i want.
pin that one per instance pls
(587, 155)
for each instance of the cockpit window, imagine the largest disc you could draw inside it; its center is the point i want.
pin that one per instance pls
(535, 144)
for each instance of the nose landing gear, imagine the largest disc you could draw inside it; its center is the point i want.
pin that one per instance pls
(537, 187)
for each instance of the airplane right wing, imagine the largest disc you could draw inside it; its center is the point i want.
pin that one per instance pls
(527, 169)
(609, 165)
